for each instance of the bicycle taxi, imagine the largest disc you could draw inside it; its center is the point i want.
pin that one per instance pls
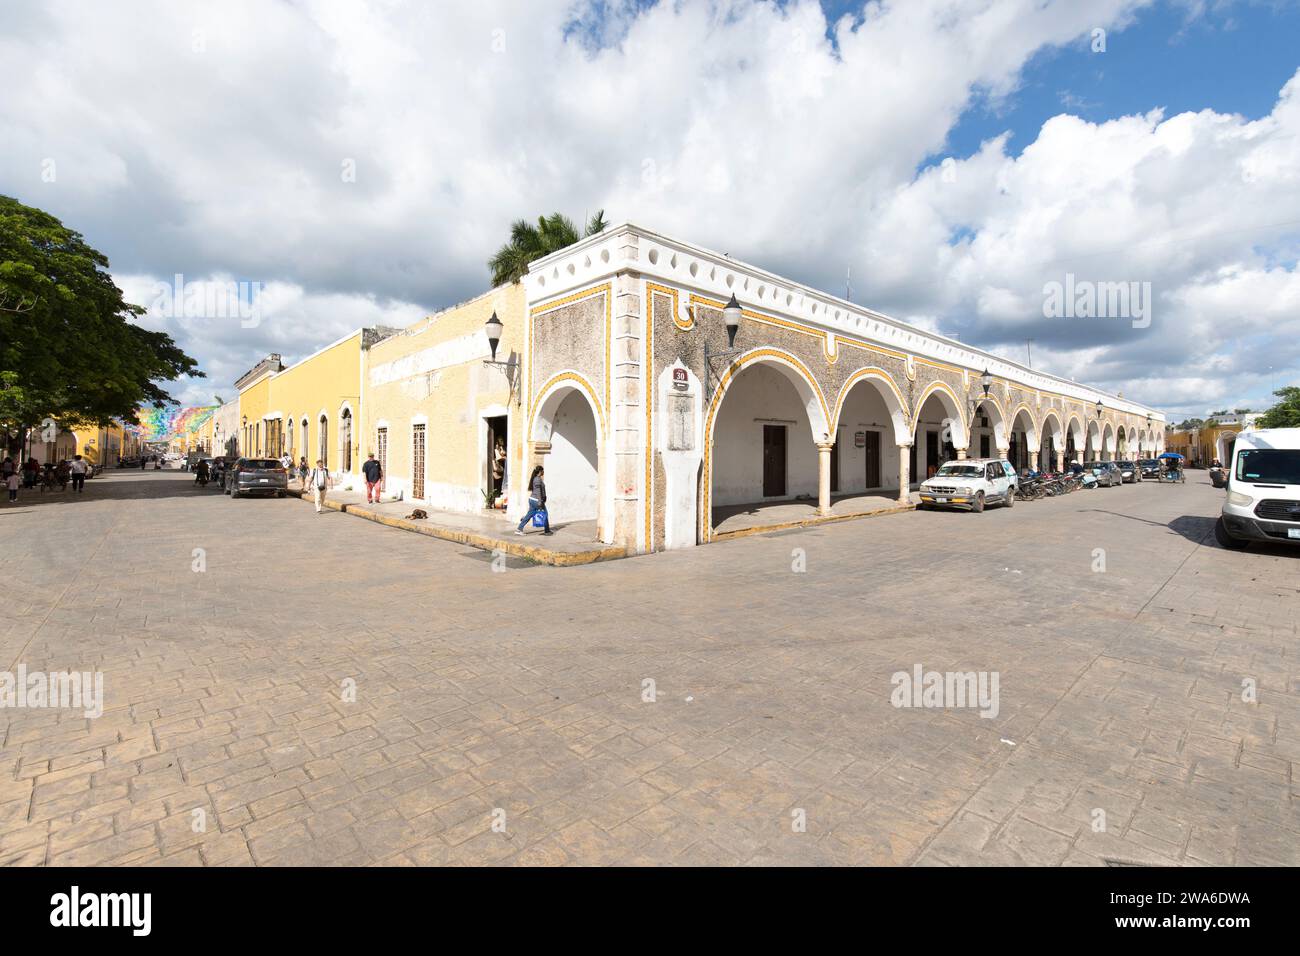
(1171, 467)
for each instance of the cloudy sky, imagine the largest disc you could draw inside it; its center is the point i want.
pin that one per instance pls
(362, 160)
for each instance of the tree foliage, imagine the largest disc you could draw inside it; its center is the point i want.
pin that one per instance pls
(1286, 413)
(69, 349)
(529, 242)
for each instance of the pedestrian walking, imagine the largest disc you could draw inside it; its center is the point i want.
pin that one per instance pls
(30, 472)
(78, 470)
(320, 484)
(303, 471)
(11, 483)
(536, 502)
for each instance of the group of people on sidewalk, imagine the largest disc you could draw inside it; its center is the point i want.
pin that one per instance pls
(32, 474)
(320, 481)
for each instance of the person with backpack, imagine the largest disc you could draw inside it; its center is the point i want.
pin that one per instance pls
(320, 483)
(374, 473)
(536, 502)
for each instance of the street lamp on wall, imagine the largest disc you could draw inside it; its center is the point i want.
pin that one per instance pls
(731, 315)
(493, 328)
(1100, 407)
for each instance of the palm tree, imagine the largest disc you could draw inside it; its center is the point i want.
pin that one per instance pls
(529, 242)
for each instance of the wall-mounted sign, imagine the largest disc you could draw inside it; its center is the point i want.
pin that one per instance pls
(859, 439)
(681, 379)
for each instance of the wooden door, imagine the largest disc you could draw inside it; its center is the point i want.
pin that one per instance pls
(774, 461)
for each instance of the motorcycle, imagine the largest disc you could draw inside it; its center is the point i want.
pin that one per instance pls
(1218, 474)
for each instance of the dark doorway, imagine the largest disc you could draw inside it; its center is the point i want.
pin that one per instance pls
(872, 456)
(498, 442)
(931, 453)
(773, 461)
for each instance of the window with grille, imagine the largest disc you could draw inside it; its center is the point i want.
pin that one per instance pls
(381, 448)
(417, 461)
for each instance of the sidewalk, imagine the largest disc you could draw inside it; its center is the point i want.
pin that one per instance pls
(572, 543)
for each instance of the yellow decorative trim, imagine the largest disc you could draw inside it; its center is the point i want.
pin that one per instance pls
(558, 379)
(1032, 419)
(939, 386)
(647, 374)
(867, 372)
(654, 289)
(715, 403)
(605, 289)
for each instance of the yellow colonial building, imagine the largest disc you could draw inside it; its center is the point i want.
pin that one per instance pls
(444, 423)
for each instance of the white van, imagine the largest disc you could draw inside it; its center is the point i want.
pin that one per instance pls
(1263, 496)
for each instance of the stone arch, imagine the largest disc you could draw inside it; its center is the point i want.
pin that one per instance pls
(1108, 441)
(568, 424)
(952, 405)
(888, 391)
(806, 388)
(1092, 443)
(795, 372)
(997, 418)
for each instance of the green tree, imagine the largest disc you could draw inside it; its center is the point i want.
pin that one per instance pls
(529, 242)
(1286, 413)
(69, 349)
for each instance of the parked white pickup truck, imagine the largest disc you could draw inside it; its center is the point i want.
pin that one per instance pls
(970, 484)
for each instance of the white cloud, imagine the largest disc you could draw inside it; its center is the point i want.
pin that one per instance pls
(212, 141)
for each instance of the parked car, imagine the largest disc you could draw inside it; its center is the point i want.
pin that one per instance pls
(1263, 499)
(1150, 467)
(249, 476)
(1105, 472)
(1128, 471)
(971, 484)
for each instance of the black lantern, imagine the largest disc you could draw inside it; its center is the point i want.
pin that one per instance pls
(493, 328)
(987, 381)
(1099, 408)
(731, 314)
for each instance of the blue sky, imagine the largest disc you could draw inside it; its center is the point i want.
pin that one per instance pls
(1231, 59)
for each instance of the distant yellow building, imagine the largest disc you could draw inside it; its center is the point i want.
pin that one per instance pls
(1200, 446)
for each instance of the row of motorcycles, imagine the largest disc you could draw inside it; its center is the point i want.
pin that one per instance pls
(1040, 484)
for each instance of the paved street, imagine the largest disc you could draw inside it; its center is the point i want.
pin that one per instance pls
(518, 697)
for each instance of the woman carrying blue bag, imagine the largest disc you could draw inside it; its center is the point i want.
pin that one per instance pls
(536, 503)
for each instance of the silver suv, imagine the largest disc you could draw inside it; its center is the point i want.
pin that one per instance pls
(970, 483)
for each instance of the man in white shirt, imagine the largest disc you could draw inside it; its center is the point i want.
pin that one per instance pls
(319, 481)
(78, 467)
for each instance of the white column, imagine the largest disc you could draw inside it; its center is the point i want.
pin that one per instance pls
(904, 479)
(824, 477)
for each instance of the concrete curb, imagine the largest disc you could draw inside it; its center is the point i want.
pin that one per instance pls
(519, 549)
(809, 522)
